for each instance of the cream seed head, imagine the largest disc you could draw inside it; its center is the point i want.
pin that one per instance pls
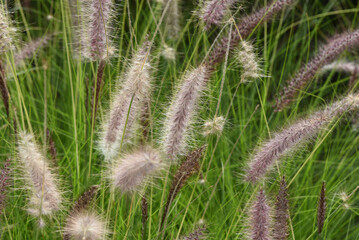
(214, 126)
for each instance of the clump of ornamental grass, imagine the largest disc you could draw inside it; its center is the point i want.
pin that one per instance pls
(44, 194)
(4, 183)
(321, 209)
(214, 126)
(8, 32)
(127, 104)
(248, 60)
(92, 22)
(326, 54)
(133, 170)
(292, 137)
(188, 168)
(244, 29)
(213, 11)
(260, 218)
(281, 216)
(182, 111)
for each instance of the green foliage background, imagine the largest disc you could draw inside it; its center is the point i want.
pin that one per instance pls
(51, 92)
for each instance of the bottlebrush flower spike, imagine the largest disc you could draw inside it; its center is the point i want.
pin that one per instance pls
(133, 169)
(8, 32)
(85, 225)
(197, 234)
(260, 219)
(214, 126)
(293, 136)
(30, 49)
(182, 110)
(4, 183)
(45, 196)
(328, 53)
(248, 61)
(244, 28)
(213, 11)
(345, 66)
(127, 104)
(321, 209)
(172, 18)
(280, 225)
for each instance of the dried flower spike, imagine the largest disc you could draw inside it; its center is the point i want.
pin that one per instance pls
(214, 126)
(248, 60)
(321, 209)
(213, 11)
(128, 103)
(45, 196)
(259, 220)
(134, 168)
(85, 225)
(293, 136)
(328, 53)
(281, 216)
(182, 110)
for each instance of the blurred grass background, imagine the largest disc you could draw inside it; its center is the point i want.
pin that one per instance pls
(51, 92)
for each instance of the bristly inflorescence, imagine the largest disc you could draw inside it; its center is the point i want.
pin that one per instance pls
(128, 104)
(281, 216)
(248, 60)
(92, 20)
(214, 126)
(213, 11)
(133, 169)
(4, 183)
(293, 136)
(8, 32)
(244, 28)
(328, 53)
(260, 218)
(180, 115)
(321, 209)
(172, 18)
(45, 197)
(345, 66)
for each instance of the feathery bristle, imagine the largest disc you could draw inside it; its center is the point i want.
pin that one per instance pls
(86, 225)
(244, 28)
(214, 126)
(292, 137)
(45, 196)
(134, 168)
(187, 168)
(29, 50)
(213, 11)
(280, 225)
(248, 61)
(328, 53)
(321, 209)
(4, 183)
(182, 110)
(260, 220)
(7, 33)
(127, 104)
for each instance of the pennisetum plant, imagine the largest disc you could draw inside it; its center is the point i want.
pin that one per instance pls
(248, 60)
(281, 216)
(213, 11)
(180, 114)
(293, 136)
(132, 170)
(45, 196)
(128, 104)
(326, 54)
(260, 218)
(321, 209)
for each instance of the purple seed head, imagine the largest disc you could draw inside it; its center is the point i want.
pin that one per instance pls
(260, 218)
(213, 11)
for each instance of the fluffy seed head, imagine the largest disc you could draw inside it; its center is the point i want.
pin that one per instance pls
(214, 126)
(260, 220)
(127, 104)
(280, 226)
(292, 137)
(182, 110)
(45, 196)
(169, 53)
(86, 225)
(248, 60)
(345, 66)
(172, 18)
(213, 11)
(133, 169)
(328, 53)
(7, 33)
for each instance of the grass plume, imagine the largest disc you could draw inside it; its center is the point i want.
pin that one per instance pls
(281, 216)
(260, 219)
(321, 209)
